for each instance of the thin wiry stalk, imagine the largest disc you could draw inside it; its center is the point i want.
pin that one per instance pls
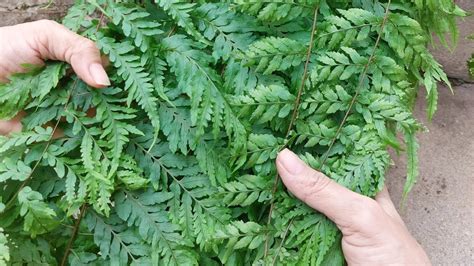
(75, 231)
(282, 241)
(293, 118)
(359, 86)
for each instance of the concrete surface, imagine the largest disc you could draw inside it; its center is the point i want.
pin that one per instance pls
(439, 210)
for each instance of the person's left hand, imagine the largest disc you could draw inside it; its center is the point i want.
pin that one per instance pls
(34, 42)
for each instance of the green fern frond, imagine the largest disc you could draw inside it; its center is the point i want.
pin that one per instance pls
(275, 54)
(240, 235)
(180, 132)
(201, 84)
(412, 162)
(76, 17)
(14, 98)
(114, 117)
(4, 250)
(264, 104)
(262, 149)
(439, 16)
(277, 11)
(130, 174)
(135, 23)
(137, 81)
(229, 31)
(10, 170)
(180, 12)
(246, 191)
(39, 217)
(116, 243)
(39, 134)
(174, 163)
(154, 226)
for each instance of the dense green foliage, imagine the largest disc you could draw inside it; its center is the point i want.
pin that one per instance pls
(176, 167)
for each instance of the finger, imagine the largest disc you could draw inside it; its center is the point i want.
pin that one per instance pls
(11, 126)
(7, 127)
(384, 200)
(59, 43)
(338, 203)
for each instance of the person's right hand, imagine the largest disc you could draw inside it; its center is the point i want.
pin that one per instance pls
(373, 231)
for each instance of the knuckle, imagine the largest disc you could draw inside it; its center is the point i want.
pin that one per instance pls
(316, 182)
(366, 211)
(85, 44)
(47, 23)
(81, 45)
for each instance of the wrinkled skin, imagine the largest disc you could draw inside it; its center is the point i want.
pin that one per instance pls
(33, 43)
(373, 231)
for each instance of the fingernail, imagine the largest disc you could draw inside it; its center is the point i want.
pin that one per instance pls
(291, 162)
(98, 74)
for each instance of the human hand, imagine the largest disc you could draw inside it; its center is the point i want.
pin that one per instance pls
(32, 43)
(373, 231)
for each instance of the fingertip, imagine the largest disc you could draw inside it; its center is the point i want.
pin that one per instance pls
(8, 127)
(316, 189)
(290, 162)
(287, 164)
(99, 76)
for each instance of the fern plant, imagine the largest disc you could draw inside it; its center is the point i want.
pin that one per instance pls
(176, 167)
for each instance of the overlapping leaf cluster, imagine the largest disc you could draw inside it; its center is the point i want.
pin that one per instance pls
(174, 163)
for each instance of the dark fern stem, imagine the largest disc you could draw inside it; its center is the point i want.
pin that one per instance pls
(293, 119)
(359, 86)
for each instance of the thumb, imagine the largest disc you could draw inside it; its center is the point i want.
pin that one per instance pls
(338, 203)
(56, 42)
